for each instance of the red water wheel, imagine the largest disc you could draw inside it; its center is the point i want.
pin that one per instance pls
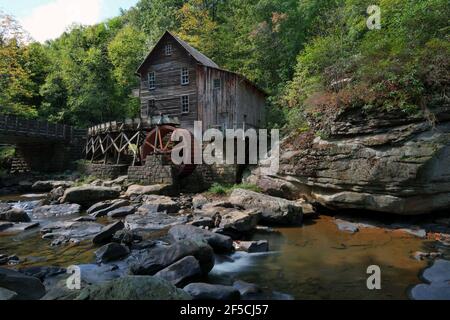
(158, 141)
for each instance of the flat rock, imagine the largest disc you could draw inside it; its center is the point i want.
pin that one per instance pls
(198, 201)
(71, 230)
(220, 243)
(204, 291)
(106, 234)
(14, 215)
(6, 295)
(155, 203)
(58, 210)
(138, 190)
(134, 288)
(273, 210)
(21, 227)
(88, 195)
(45, 186)
(240, 221)
(181, 271)
(122, 212)
(153, 221)
(5, 225)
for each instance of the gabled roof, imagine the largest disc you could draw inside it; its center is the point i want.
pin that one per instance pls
(197, 55)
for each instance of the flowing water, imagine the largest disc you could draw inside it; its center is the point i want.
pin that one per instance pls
(315, 261)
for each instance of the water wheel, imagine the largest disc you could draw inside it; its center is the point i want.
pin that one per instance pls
(158, 141)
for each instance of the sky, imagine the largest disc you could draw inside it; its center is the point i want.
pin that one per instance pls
(48, 19)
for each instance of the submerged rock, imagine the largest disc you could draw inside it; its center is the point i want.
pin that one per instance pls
(14, 215)
(71, 230)
(220, 243)
(347, 226)
(273, 210)
(88, 195)
(204, 291)
(438, 287)
(134, 288)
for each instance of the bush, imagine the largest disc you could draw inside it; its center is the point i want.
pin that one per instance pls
(224, 189)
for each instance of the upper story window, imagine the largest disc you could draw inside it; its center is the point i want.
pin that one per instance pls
(168, 49)
(185, 104)
(217, 84)
(184, 76)
(151, 80)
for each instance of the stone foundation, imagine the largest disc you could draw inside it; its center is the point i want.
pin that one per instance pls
(155, 171)
(104, 171)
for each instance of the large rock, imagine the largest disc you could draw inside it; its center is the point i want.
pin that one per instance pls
(153, 221)
(103, 208)
(121, 212)
(46, 186)
(181, 271)
(111, 252)
(157, 189)
(107, 233)
(88, 195)
(204, 291)
(155, 203)
(382, 162)
(25, 287)
(134, 288)
(273, 210)
(58, 210)
(220, 243)
(15, 215)
(438, 286)
(240, 221)
(159, 257)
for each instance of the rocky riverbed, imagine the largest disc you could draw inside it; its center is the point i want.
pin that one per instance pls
(246, 245)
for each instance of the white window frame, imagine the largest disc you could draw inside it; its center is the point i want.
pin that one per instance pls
(168, 49)
(151, 80)
(184, 76)
(185, 107)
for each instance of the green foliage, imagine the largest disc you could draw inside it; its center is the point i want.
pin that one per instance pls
(224, 189)
(6, 155)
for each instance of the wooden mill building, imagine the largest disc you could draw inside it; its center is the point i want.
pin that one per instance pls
(177, 80)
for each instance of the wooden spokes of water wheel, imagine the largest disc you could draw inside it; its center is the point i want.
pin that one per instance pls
(158, 141)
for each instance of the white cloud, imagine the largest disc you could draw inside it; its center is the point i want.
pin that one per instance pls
(49, 21)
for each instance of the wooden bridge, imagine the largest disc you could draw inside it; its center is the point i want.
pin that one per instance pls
(40, 145)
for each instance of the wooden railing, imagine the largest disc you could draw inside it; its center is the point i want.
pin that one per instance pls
(17, 126)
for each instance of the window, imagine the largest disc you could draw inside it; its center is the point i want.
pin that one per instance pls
(184, 104)
(168, 49)
(150, 107)
(217, 84)
(184, 76)
(151, 80)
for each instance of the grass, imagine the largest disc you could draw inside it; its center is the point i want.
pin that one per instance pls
(226, 189)
(83, 180)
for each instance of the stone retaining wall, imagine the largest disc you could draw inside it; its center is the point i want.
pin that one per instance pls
(105, 171)
(155, 171)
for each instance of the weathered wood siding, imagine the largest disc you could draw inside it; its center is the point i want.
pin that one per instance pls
(168, 91)
(235, 102)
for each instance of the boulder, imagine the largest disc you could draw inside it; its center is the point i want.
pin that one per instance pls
(4, 207)
(240, 221)
(246, 289)
(204, 291)
(388, 162)
(159, 257)
(153, 222)
(273, 210)
(198, 201)
(252, 246)
(181, 271)
(46, 186)
(121, 212)
(157, 189)
(58, 210)
(15, 215)
(26, 287)
(134, 288)
(206, 222)
(88, 195)
(107, 233)
(111, 252)
(155, 203)
(101, 209)
(220, 243)
(126, 237)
